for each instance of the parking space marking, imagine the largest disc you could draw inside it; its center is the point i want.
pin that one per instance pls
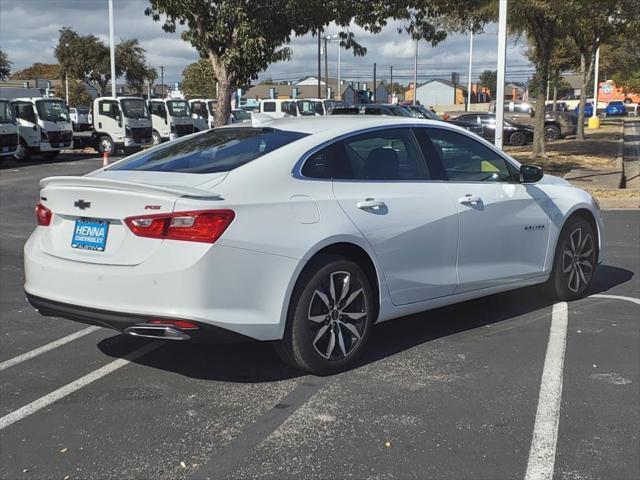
(69, 388)
(545, 431)
(617, 297)
(46, 348)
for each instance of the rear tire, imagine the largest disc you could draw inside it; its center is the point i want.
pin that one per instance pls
(330, 316)
(518, 139)
(574, 263)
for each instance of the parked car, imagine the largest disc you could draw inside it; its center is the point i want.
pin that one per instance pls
(371, 109)
(557, 124)
(615, 109)
(588, 110)
(420, 111)
(79, 118)
(560, 107)
(514, 133)
(305, 233)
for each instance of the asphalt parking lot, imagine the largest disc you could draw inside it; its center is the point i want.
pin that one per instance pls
(480, 390)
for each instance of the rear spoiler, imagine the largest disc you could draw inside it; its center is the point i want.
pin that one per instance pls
(94, 182)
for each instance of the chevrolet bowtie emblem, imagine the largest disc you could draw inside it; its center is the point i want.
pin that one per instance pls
(81, 204)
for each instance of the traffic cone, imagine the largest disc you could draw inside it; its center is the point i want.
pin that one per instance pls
(105, 159)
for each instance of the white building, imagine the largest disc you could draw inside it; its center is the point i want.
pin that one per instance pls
(440, 92)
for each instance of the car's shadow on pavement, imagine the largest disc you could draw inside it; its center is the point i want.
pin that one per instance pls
(255, 362)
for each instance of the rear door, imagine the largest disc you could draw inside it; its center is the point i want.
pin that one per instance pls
(504, 225)
(384, 186)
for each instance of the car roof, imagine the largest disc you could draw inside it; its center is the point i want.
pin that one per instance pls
(312, 125)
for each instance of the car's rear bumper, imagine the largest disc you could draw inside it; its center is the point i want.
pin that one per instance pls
(124, 322)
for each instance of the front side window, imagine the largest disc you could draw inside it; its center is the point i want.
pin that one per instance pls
(26, 112)
(109, 108)
(219, 150)
(388, 154)
(134, 108)
(290, 108)
(199, 109)
(157, 108)
(465, 159)
(212, 107)
(178, 108)
(52, 110)
(6, 113)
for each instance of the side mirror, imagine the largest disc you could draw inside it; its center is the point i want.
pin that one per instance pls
(530, 174)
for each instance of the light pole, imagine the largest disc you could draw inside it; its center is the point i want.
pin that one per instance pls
(594, 121)
(502, 59)
(415, 72)
(112, 51)
(162, 79)
(470, 65)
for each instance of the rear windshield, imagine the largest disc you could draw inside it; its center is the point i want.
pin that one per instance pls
(213, 151)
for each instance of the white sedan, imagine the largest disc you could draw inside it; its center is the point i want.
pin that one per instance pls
(305, 232)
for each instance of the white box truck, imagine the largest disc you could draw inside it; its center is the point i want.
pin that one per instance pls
(120, 123)
(44, 127)
(203, 113)
(170, 118)
(8, 129)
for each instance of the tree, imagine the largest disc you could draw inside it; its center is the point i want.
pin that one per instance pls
(5, 66)
(87, 58)
(541, 21)
(78, 93)
(620, 59)
(241, 39)
(198, 80)
(489, 79)
(594, 22)
(45, 71)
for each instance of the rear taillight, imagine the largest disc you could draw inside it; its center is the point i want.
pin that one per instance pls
(43, 215)
(194, 226)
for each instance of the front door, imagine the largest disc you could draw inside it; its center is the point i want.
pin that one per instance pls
(384, 186)
(504, 227)
(110, 119)
(28, 123)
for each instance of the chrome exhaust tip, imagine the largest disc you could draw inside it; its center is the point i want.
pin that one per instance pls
(162, 332)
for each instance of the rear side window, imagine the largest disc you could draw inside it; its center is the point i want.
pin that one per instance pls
(213, 151)
(390, 154)
(269, 107)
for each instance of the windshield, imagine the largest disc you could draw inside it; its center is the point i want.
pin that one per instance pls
(134, 108)
(7, 115)
(400, 112)
(52, 110)
(83, 111)
(421, 112)
(178, 108)
(219, 150)
(309, 107)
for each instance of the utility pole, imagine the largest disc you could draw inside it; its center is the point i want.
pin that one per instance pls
(415, 73)
(339, 93)
(319, 65)
(66, 88)
(502, 60)
(162, 79)
(470, 67)
(594, 121)
(326, 68)
(112, 51)
(375, 100)
(391, 81)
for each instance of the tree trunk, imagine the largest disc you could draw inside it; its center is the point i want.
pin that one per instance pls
(585, 77)
(584, 84)
(225, 85)
(538, 134)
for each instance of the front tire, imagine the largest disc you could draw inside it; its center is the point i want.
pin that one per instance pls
(575, 260)
(156, 138)
(552, 132)
(105, 145)
(330, 316)
(23, 154)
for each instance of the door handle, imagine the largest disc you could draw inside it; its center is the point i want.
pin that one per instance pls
(371, 204)
(469, 199)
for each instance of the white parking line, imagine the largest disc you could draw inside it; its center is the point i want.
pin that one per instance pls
(545, 432)
(75, 385)
(617, 297)
(45, 348)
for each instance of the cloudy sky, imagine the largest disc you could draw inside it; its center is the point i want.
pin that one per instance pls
(29, 33)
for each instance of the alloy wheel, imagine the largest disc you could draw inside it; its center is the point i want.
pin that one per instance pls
(578, 260)
(337, 316)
